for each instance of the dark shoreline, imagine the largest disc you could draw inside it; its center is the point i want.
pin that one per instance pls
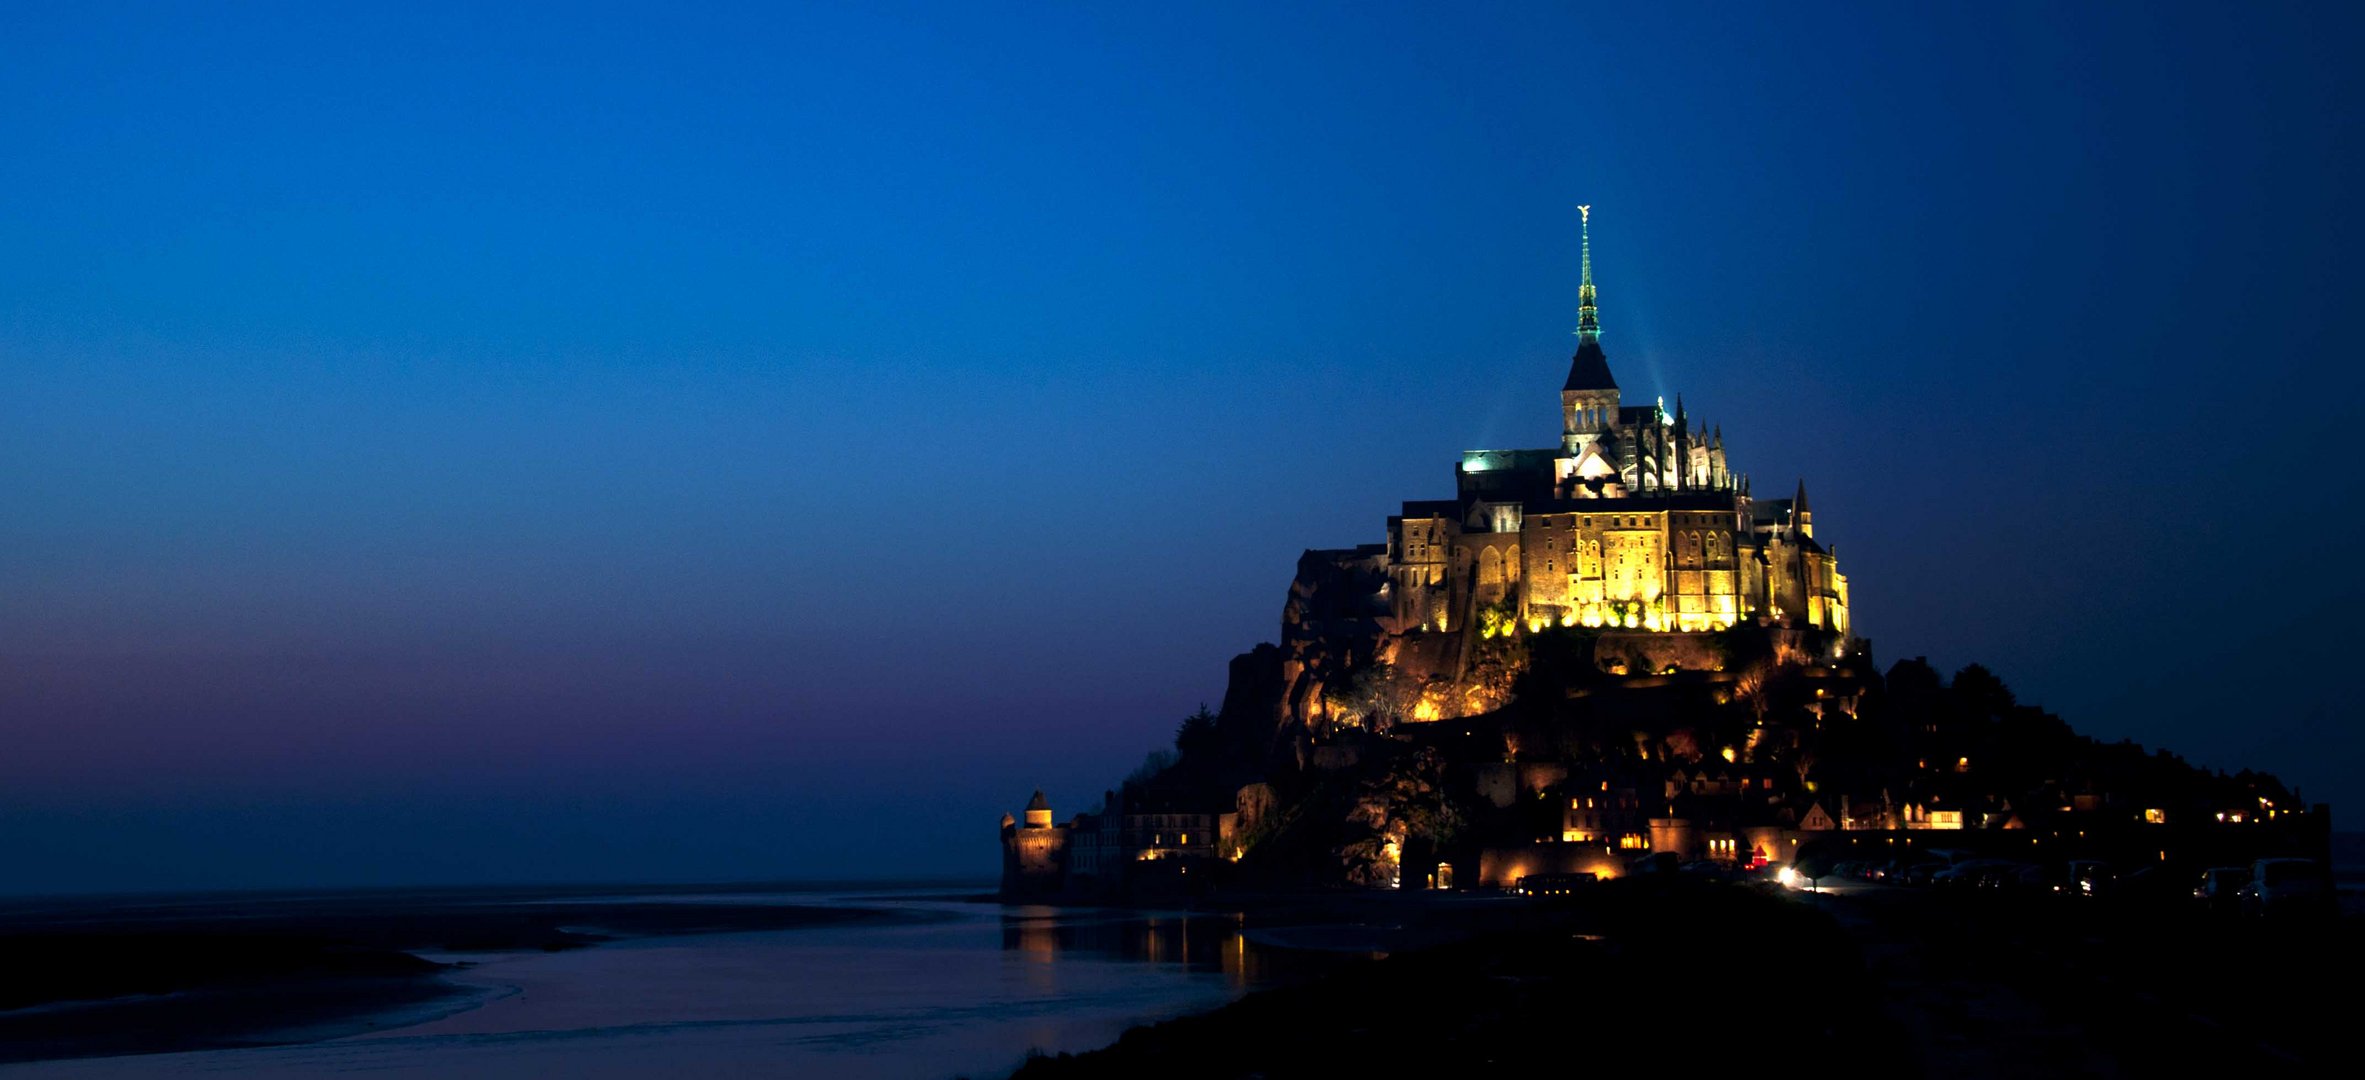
(1689, 977)
(148, 975)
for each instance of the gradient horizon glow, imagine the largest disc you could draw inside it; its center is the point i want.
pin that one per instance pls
(608, 443)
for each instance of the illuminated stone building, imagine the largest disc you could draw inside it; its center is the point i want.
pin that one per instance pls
(1635, 520)
(1034, 851)
(1138, 837)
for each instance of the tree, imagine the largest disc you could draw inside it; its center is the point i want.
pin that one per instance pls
(1377, 697)
(1196, 739)
(1157, 762)
(1407, 801)
(1981, 692)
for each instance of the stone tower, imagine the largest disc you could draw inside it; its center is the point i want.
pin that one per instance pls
(1034, 851)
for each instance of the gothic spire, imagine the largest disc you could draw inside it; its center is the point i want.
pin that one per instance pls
(1588, 320)
(1588, 369)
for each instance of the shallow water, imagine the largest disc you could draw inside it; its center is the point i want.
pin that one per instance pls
(968, 990)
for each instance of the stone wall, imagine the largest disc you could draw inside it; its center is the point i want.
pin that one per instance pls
(1034, 860)
(1651, 653)
(1502, 867)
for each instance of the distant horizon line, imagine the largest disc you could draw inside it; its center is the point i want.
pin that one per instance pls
(984, 883)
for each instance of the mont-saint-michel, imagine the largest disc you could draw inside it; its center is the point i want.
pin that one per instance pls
(1198, 541)
(1609, 656)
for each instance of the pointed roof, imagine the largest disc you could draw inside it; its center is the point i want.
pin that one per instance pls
(1589, 369)
(1798, 504)
(1038, 802)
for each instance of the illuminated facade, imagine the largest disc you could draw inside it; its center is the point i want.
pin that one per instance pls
(1154, 833)
(1034, 851)
(1635, 520)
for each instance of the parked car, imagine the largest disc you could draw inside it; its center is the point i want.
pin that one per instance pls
(1920, 873)
(1965, 874)
(1893, 871)
(1656, 862)
(2221, 886)
(2286, 888)
(2009, 876)
(2158, 886)
(2090, 879)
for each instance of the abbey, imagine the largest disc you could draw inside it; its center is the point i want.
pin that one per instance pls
(1597, 658)
(1607, 658)
(1634, 520)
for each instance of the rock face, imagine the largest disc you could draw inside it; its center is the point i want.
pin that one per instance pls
(1331, 624)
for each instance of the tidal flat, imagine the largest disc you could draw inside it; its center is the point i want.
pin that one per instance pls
(857, 982)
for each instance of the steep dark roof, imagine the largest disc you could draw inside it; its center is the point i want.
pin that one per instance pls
(1038, 802)
(1589, 369)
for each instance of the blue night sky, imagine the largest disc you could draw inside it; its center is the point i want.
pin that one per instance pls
(603, 443)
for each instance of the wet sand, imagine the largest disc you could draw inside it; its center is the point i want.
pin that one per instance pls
(855, 983)
(107, 976)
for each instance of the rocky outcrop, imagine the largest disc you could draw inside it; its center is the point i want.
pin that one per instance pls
(1332, 625)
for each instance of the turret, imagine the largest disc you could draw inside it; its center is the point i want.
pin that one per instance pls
(1683, 447)
(1800, 517)
(1719, 473)
(1038, 812)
